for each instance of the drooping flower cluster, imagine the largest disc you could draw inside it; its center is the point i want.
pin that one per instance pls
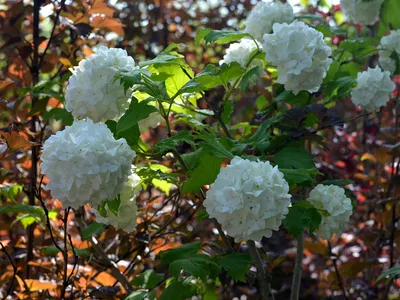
(92, 92)
(127, 211)
(389, 44)
(361, 11)
(373, 89)
(300, 54)
(249, 199)
(264, 15)
(334, 207)
(85, 164)
(240, 52)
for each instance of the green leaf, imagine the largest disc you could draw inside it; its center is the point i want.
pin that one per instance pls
(201, 33)
(93, 229)
(236, 265)
(197, 265)
(148, 279)
(389, 274)
(59, 114)
(113, 205)
(302, 215)
(338, 182)
(11, 192)
(34, 211)
(298, 176)
(202, 214)
(50, 250)
(226, 112)
(168, 144)
(395, 57)
(224, 36)
(250, 78)
(130, 78)
(164, 59)
(212, 145)
(192, 159)
(390, 12)
(205, 173)
(137, 295)
(294, 158)
(181, 252)
(178, 290)
(261, 102)
(127, 126)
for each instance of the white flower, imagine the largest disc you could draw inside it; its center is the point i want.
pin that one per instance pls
(335, 208)
(264, 15)
(364, 12)
(85, 164)
(127, 211)
(389, 44)
(249, 199)
(300, 54)
(373, 89)
(240, 52)
(92, 92)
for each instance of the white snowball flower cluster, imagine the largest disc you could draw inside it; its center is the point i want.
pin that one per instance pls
(240, 52)
(85, 164)
(364, 12)
(335, 208)
(249, 199)
(373, 89)
(300, 54)
(92, 92)
(127, 211)
(389, 44)
(264, 15)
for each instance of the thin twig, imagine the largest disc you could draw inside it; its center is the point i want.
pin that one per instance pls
(298, 269)
(11, 287)
(338, 276)
(65, 254)
(263, 284)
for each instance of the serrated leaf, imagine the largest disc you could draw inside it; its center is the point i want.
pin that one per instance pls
(302, 215)
(294, 158)
(338, 182)
(205, 173)
(168, 144)
(212, 145)
(59, 114)
(227, 112)
(147, 279)
(93, 229)
(250, 78)
(178, 290)
(236, 265)
(298, 176)
(389, 274)
(224, 36)
(197, 265)
(201, 33)
(183, 251)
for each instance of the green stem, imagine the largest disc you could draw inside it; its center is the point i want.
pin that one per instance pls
(263, 284)
(297, 269)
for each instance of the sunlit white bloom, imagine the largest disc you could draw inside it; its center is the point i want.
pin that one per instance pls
(249, 199)
(127, 211)
(373, 89)
(241, 52)
(92, 91)
(335, 208)
(85, 164)
(264, 15)
(300, 54)
(389, 44)
(364, 12)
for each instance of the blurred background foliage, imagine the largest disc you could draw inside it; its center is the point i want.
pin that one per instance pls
(33, 72)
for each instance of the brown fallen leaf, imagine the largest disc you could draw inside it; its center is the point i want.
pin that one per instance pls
(14, 140)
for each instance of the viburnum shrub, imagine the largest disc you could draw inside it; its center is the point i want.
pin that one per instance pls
(249, 179)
